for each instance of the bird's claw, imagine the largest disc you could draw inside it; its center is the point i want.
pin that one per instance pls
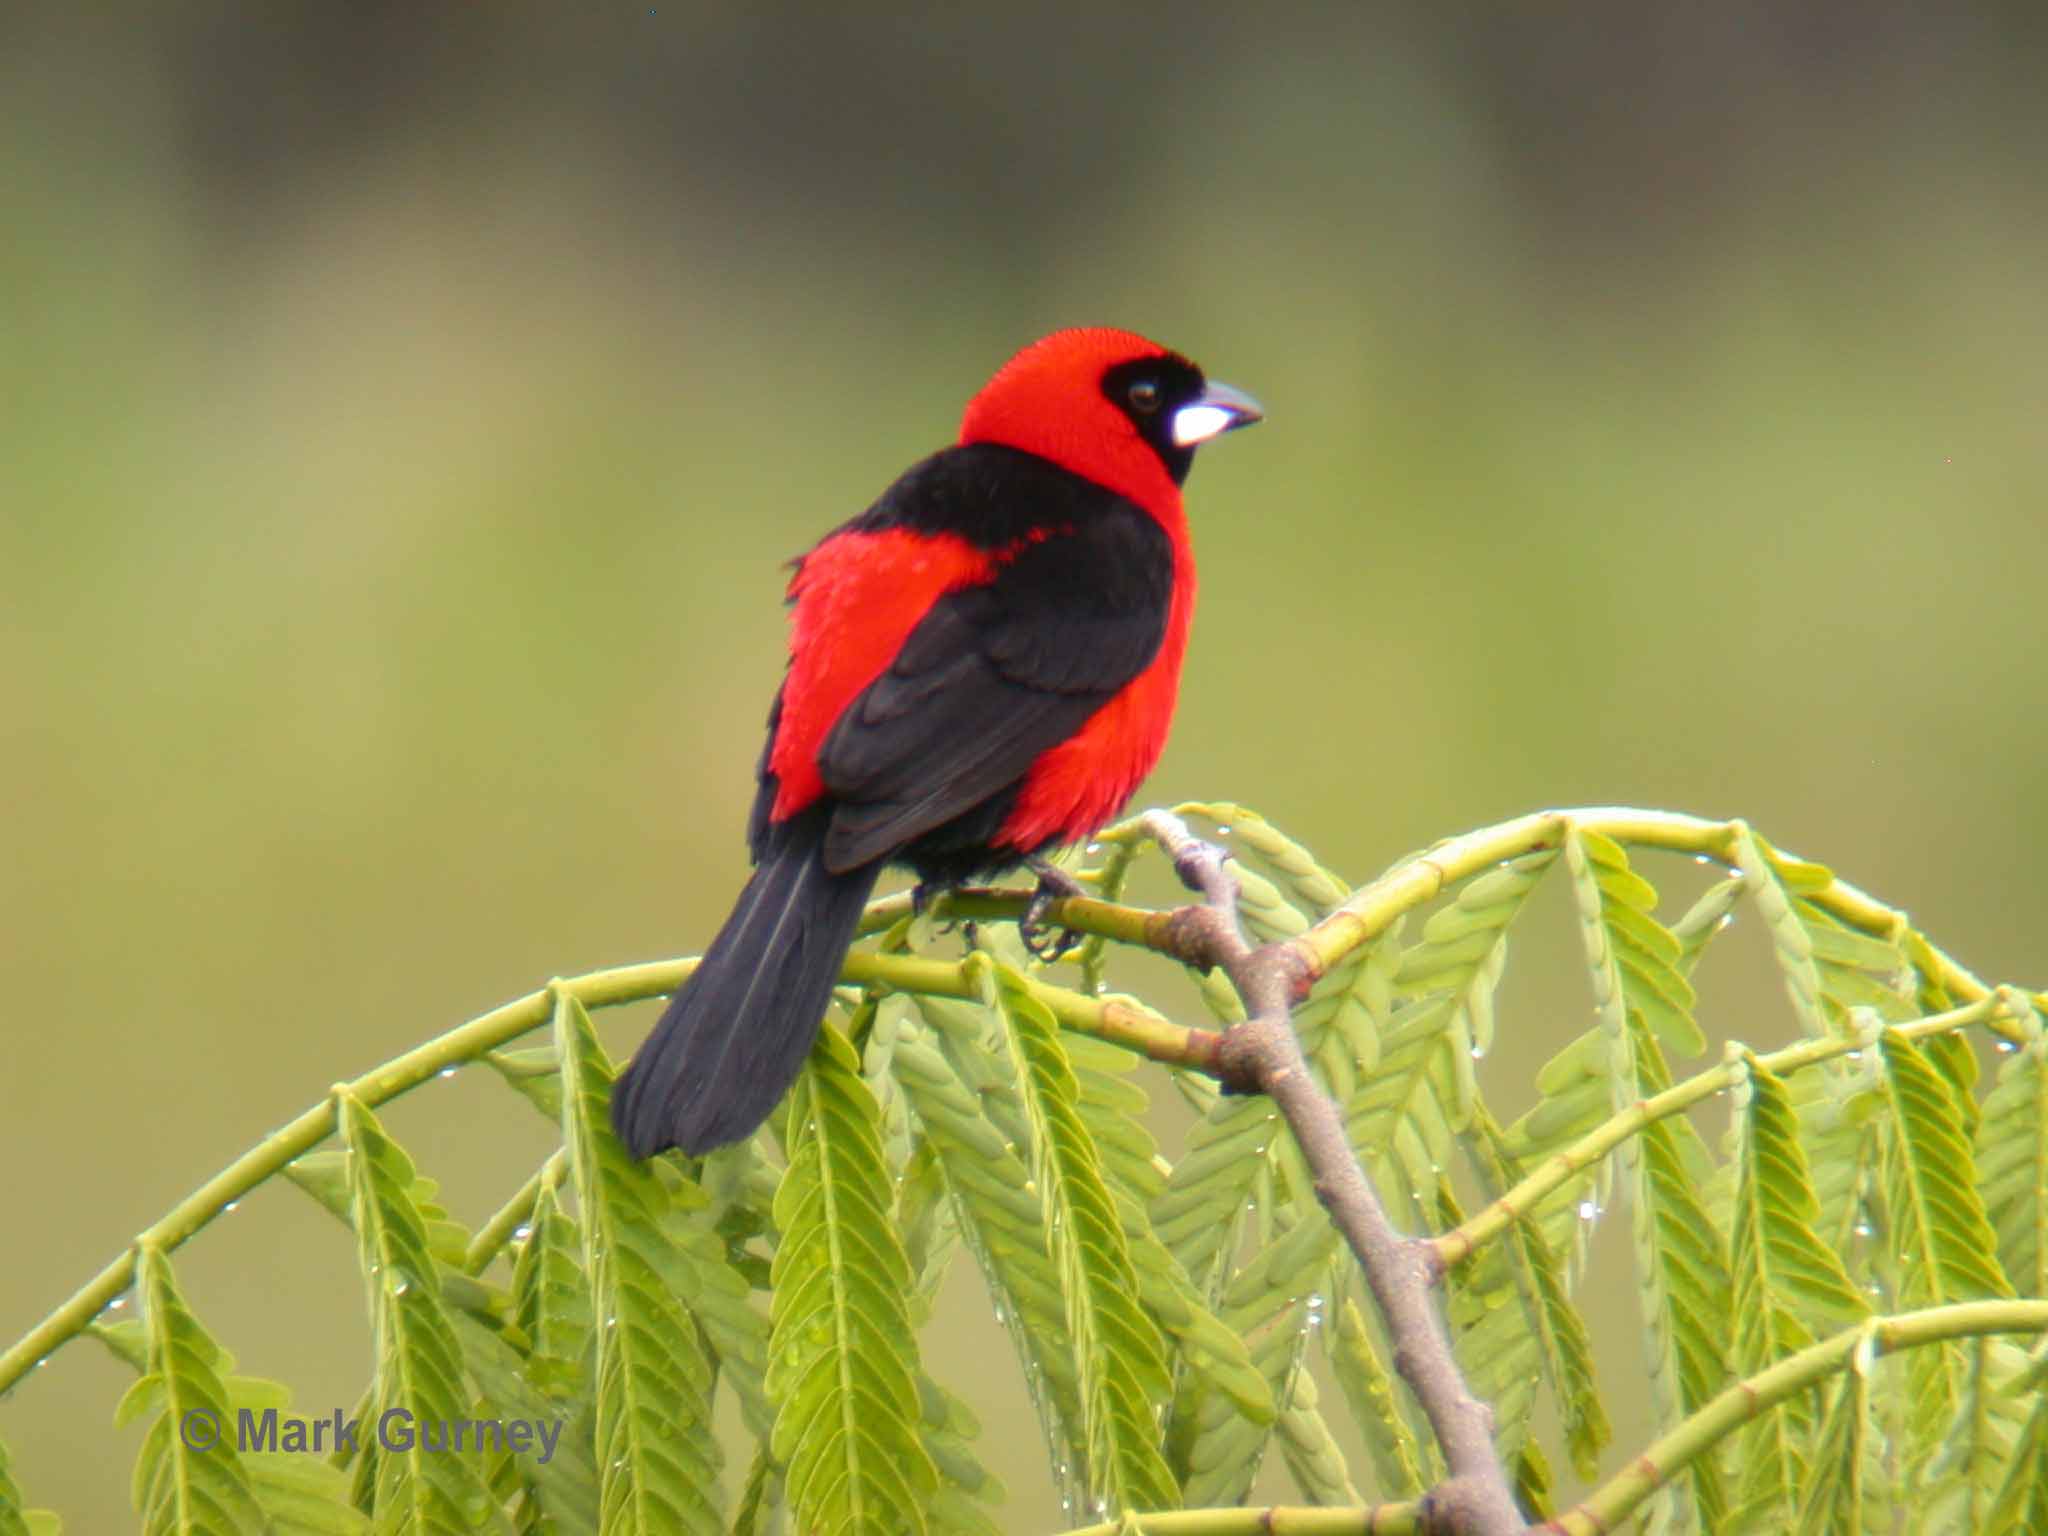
(1054, 884)
(924, 896)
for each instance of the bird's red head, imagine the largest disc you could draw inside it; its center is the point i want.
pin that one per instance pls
(1110, 406)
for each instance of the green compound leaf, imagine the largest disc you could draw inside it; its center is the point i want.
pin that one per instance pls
(1679, 1254)
(1272, 1303)
(1196, 1214)
(1706, 918)
(1309, 1449)
(952, 1081)
(1848, 1491)
(302, 1494)
(1829, 967)
(1964, 1481)
(1119, 1355)
(551, 1305)
(1789, 1282)
(1784, 1276)
(1490, 1335)
(1947, 1247)
(494, 1358)
(657, 1461)
(1533, 1487)
(15, 1520)
(2021, 1508)
(2012, 1161)
(534, 1073)
(1543, 1332)
(1843, 1128)
(1679, 1250)
(1464, 945)
(1575, 1098)
(1940, 1234)
(419, 1359)
(551, 1300)
(1636, 953)
(1113, 1108)
(949, 1430)
(843, 1365)
(718, 1295)
(325, 1176)
(556, 1484)
(1400, 1121)
(190, 1476)
(1002, 1217)
(1370, 1389)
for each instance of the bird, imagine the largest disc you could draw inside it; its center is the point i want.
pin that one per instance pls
(982, 667)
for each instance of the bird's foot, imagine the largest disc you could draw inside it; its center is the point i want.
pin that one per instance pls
(1054, 884)
(925, 895)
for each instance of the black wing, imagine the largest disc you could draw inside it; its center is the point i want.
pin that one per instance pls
(995, 675)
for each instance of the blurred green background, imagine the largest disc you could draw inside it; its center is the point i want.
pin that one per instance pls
(405, 418)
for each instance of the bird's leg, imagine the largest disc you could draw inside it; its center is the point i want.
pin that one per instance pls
(1054, 884)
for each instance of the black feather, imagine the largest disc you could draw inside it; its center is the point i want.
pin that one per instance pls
(736, 1033)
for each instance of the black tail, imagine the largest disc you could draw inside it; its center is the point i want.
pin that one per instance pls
(737, 1031)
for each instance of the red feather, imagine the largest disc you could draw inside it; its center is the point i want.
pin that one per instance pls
(1077, 787)
(857, 597)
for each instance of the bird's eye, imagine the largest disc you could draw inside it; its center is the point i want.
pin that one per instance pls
(1144, 396)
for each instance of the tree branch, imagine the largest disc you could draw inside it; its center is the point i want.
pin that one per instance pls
(1672, 1452)
(1263, 1055)
(1519, 1203)
(1123, 1023)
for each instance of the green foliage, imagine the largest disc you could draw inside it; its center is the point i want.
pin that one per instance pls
(1178, 1314)
(1785, 1279)
(420, 1375)
(181, 1482)
(1982, 1448)
(14, 1519)
(657, 1462)
(2012, 1160)
(1679, 1249)
(1942, 1240)
(845, 1373)
(1830, 967)
(2021, 1506)
(1120, 1365)
(1542, 1335)
(1370, 1387)
(1848, 1490)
